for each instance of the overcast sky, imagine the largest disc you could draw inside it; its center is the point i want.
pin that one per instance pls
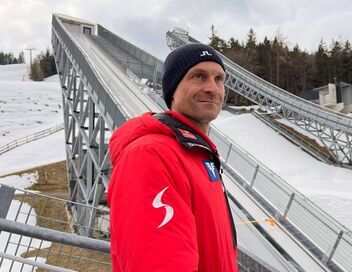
(145, 22)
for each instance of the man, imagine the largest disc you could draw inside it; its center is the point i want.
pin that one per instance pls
(168, 208)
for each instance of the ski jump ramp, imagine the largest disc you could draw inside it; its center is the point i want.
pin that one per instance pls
(105, 81)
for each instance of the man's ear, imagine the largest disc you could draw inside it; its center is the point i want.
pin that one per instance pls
(172, 102)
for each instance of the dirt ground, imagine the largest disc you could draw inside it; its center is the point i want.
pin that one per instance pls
(52, 179)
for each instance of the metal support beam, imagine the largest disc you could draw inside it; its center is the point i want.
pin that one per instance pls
(333, 129)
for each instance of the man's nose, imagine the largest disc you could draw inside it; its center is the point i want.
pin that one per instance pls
(210, 85)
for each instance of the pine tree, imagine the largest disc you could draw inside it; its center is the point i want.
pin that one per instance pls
(347, 62)
(322, 65)
(216, 42)
(336, 61)
(21, 57)
(43, 66)
(291, 69)
(2, 58)
(36, 71)
(251, 39)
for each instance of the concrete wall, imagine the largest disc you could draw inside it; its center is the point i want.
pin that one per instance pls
(346, 95)
(328, 95)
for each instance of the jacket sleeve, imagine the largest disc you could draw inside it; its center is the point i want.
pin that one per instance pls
(152, 225)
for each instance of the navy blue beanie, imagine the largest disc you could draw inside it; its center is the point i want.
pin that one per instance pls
(179, 61)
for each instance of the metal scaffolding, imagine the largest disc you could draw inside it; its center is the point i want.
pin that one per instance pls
(333, 129)
(98, 100)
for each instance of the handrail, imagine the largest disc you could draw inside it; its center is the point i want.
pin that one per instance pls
(54, 236)
(34, 263)
(329, 240)
(30, 138)
(274, 92)
(298, 140)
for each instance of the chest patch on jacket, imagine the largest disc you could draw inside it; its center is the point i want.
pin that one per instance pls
(187, 134)
(211, 169)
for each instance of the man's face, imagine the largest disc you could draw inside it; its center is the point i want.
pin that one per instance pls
(200, 93)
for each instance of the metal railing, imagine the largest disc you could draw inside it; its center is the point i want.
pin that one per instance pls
(248, 170)
(30, 138)
(38, 231)
(296, 138)
(322, 235)
(332, 128)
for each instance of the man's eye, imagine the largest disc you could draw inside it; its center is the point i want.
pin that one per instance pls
(219, 78)
(198, 75)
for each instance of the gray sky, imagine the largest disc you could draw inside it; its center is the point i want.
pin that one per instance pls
(145, 22)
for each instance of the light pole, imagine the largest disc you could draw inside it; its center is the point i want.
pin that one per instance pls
(30, 48)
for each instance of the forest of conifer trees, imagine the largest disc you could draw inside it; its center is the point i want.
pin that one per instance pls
(291, 69)
(9, 58)
(43, 66)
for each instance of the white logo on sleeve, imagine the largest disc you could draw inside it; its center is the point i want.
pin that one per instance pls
(205, 53)
(158, 204)
(211, 167)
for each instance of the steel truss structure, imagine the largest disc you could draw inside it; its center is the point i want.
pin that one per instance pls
(88, 114)
(93, 109)
(333, 129)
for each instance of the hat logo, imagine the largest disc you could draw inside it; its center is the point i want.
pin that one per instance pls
(205, 53)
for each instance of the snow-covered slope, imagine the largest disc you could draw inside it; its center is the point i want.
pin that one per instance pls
(328, 186)
(27, 107)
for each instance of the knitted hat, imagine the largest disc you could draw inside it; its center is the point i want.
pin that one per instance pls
(179, 61)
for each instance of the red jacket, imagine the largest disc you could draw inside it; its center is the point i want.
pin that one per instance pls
(167, 206)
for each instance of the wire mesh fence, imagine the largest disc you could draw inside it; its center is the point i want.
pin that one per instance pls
(39, 233)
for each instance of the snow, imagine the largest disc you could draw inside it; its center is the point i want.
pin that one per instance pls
(328, 186)
(23, 213)
(20, 181)
(41, 152)
(27, 107)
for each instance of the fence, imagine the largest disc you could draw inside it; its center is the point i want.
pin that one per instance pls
(327, 239)
(296, 138)
(30, 138)
(37, 231)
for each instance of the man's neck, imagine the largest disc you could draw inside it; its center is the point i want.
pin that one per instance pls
(204, 127)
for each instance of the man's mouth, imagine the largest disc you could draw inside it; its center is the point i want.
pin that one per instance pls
(208, 101)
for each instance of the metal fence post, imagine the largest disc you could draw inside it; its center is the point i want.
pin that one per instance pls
(6, 194)
(254, 175)
(289, 205)
(334, 247)
(228, 153)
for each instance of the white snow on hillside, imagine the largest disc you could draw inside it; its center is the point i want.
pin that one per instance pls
(20, 181)
(328, 186)
(27, 107)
